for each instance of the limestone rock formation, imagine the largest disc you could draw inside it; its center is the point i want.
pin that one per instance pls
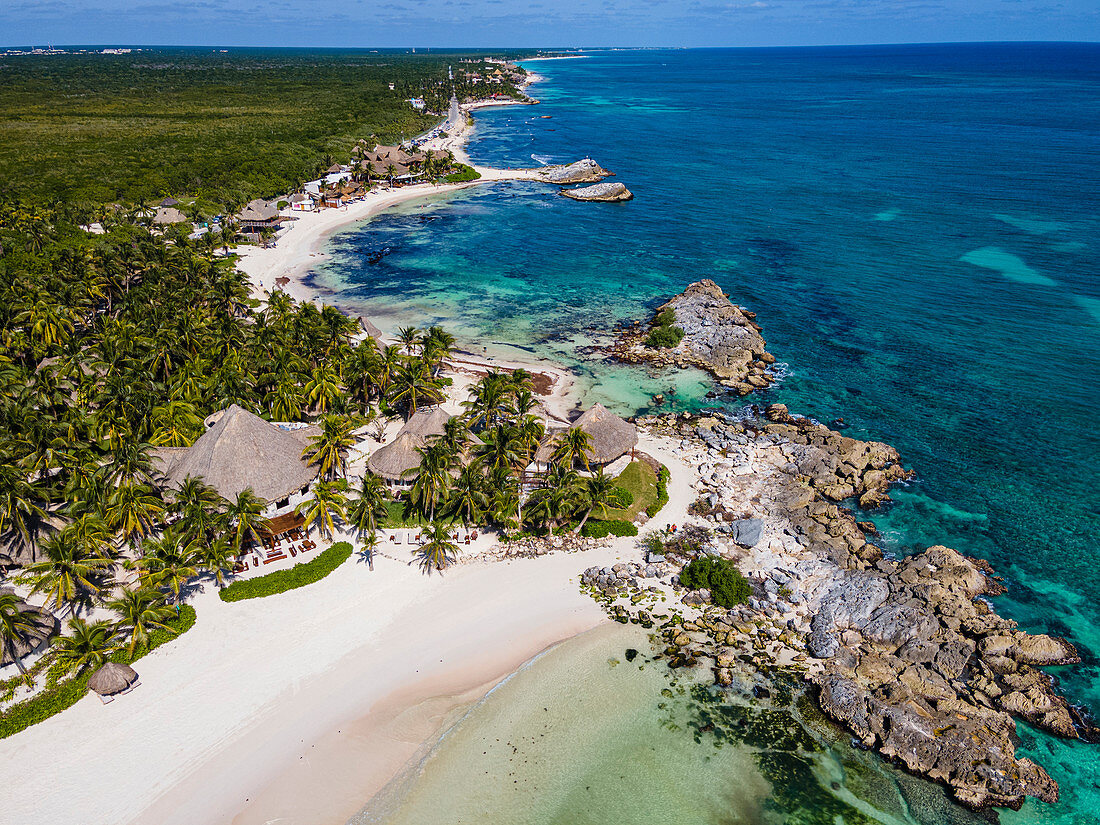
(582, 171)
(719, 337)
(600, 192)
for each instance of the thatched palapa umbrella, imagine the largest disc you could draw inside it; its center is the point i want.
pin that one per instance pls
(112, 678)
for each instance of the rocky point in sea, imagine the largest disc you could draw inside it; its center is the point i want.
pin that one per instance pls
(600, 193)
(719, 337)
(908, 654)
(585, 170)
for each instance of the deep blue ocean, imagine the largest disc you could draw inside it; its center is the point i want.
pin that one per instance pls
(917, 228)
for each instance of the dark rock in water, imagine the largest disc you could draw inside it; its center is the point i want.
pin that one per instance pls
(777, 413)
(600, 193)
(838, 424)
(631, 654)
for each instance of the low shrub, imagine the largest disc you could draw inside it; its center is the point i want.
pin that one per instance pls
(664, 337)
(602, 529)
(724, 581)
(283, 580)
(664, 334)
(620, 497)
(67, 693)
(465, 173)
(662, 492)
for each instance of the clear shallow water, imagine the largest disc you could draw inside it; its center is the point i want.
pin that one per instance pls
(917, 228)
(587, 734)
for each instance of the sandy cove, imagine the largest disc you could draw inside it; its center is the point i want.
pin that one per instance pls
(298, 707)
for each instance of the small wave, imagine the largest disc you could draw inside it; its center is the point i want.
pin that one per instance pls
(543, 159)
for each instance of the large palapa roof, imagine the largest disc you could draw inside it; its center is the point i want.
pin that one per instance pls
(241, 450)
(608, 435)
(427, 421)
(256, 211)
(395, 459)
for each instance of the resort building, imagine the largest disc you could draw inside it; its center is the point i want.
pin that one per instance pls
(396, 463)
(610, 438)
(239, 451)
(166, 215)
(300, 202)
(258, 216)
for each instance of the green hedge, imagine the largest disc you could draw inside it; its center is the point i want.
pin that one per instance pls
(465, 173)
(283, 580)
(66, 694)
(724, 581)
(662, 492)
(601, 529)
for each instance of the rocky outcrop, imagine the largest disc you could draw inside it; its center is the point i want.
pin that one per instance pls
(907, 654)
(719, 337)
(600, 193)
(583, 171)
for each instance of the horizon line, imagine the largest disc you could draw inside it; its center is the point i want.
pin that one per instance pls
(45, 44)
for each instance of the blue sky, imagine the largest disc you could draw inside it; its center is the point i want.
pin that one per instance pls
(535, 23)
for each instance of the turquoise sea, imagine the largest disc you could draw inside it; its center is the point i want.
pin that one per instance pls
(917, 228)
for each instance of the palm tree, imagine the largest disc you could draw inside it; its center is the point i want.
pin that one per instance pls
(168, 564)
(433, 478)
(414, 386)
(68, 575)
(368, 509)
(18, 627)
(329, 448)
(572, 447)
(439, 551)
(285, 401)
(596, 491)
(20, 512)
(246, 519)
(216, 556)
(409, 338)
(327, 504)
(323, 388)
(468, 499)
(198, 509)
(488, 402)
(177, 424)
(499, 449)
(86, 647)
(139, 612)
(369, 543)
(134, 510)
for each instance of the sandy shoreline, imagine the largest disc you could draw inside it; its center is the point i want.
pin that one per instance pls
(297, 708)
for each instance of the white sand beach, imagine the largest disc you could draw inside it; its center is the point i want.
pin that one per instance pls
(297, 708)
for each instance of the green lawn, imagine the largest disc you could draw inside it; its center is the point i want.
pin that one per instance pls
(641, 481)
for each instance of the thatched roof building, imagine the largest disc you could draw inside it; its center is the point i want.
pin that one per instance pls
(397, 458)
(241, 450)
(169, 202)
(426, 422)
(46, 627)
(112, 678)
(609, 435)
(167, 215)
(369, 328)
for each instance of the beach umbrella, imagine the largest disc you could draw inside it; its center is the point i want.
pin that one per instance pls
(112, 678)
